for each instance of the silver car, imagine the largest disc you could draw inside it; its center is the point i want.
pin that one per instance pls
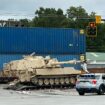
(89, 83)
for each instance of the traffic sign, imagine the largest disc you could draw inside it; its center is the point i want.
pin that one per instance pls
(98, 19)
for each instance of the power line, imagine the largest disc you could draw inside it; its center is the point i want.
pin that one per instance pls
(16, 15)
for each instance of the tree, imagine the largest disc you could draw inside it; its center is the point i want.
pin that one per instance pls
(77, 17)
(24, 22)
(49, 17)
(76, 12)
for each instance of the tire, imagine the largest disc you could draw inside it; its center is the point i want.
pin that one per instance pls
(81, 93)
(101, 90)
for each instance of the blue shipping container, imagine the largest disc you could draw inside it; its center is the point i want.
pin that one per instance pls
(15, 40)
(5, 58)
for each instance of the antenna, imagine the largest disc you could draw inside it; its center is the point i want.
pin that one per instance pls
(32, 54)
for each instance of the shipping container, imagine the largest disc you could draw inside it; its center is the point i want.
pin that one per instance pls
(5, 58)
(18, 40)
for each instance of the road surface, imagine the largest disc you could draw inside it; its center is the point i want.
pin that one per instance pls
(48, 97)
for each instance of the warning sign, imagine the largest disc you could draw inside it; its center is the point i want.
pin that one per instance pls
(98, 19)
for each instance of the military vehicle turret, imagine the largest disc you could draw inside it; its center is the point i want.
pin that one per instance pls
(42, 71)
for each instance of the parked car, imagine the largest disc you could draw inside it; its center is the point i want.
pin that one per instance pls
(90, 83)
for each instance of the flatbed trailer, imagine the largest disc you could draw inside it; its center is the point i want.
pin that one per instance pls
(7, 79)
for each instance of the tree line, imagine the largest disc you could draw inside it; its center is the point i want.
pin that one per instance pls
(74, 17)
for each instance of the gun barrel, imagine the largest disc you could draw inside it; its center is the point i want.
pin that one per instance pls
(64, 62)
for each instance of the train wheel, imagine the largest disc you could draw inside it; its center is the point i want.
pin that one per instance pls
(62, 81)
(57, 81)
(67, 80)
(40, 82)
(51, 81)
(46, 81)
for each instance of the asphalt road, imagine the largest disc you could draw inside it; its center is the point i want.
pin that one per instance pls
(48, 97)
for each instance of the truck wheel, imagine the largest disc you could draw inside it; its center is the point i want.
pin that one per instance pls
(81, 93)
(101, 90)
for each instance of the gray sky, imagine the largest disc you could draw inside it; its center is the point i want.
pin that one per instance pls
(26, 8)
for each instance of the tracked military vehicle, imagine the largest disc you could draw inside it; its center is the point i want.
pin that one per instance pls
(42, 71)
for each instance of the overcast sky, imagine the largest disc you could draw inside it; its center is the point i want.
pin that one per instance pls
(26, 8)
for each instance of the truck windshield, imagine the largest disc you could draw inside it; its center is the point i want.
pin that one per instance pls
(88, 77)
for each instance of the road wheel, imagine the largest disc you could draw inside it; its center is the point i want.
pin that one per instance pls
(101, 90)
(57, 81)
(34, 80)
(81, 93)
(67, 80)
(40, 82)
(51, 81)
(46, 81)
(62, 81)
(72, 80)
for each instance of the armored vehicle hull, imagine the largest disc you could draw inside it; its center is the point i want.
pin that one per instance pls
(42, 71)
